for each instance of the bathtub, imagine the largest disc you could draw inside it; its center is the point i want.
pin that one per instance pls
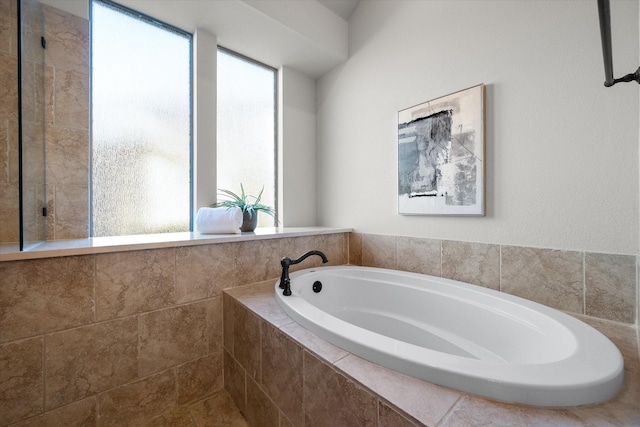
(458, 335)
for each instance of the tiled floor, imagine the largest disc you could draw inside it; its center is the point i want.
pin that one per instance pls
(215, 411)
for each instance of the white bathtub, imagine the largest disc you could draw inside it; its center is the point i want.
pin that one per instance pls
(458, 335)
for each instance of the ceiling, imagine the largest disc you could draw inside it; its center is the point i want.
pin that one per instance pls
(311, 36)
(342, 8)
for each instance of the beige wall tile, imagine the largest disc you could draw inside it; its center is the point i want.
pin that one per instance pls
(41, 221)
(21, 385)
(45, 295)
(355, 249)
(235, 381)
(388, 417)
(67, 40)
(379, 251)
(71, 210)
(284, 421)
(199, 378)
(85, 361)
(217, 410)
(551, 277)
(332, 399)
(257, 261)
(260, 410)
(68, 156)
(13, 150)
(78, 414)
(610, 286)
(50, 221)
(71, 99)
(420, 255)
(8, 87)
(33, 151)
(332, 245)
(31, 45)
(138, 402)
(624, 337)
(204, 271)
(282, 372)
(5, 149)
(259, 299)
(32, 213)
(426, 402)
(228, 308)
(9, 155)
(470, 410)
(172, 336)
(44, 94)
(178, 417)
(215, 322)
(475, 263)
(28, 90)
(311, 342)
(295, 247)
(246, 340)
(7, 26)
(9, 214)
(134, 282)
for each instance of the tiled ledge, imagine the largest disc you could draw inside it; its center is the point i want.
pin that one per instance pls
(274, 350)
(98, 245)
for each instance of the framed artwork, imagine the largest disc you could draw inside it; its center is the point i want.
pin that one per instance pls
(441, 155)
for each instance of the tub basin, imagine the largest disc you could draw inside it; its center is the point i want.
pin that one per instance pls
(457, 335)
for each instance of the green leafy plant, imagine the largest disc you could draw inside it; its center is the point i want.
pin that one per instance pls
(246, 202)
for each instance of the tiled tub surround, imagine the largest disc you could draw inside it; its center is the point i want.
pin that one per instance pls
(280, 374)
(593, 284)
(127, 338)
(100, 339)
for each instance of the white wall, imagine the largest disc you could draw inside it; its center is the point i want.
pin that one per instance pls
(205, 69)
(562, 150)
(297, 149)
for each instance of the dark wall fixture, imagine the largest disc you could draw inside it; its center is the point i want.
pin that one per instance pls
(605, 34)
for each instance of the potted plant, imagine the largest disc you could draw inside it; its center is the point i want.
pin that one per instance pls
(250, 206)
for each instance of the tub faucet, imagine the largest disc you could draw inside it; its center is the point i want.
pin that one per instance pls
(285, 282)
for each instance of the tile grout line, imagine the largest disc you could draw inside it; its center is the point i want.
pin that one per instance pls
(44, 375)
(500, 267)
(584, 283)
(442, 421)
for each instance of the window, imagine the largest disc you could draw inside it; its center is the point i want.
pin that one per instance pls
(246, 128)
(141, 124)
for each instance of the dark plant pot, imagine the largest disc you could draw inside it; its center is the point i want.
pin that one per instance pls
(249, 222)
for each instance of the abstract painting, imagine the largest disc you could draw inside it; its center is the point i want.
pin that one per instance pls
(441, 155)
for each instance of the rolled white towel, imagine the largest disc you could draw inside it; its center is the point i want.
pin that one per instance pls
(218, 220)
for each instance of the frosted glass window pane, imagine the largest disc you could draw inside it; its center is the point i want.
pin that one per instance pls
(141, 125)
(246, 129)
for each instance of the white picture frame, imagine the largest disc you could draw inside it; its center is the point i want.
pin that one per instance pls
(441, 155)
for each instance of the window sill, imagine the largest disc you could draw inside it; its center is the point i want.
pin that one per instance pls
(98, 245)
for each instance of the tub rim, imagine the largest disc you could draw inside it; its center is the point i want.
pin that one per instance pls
(585, 378)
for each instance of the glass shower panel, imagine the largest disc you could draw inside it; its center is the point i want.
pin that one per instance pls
(31, 111)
